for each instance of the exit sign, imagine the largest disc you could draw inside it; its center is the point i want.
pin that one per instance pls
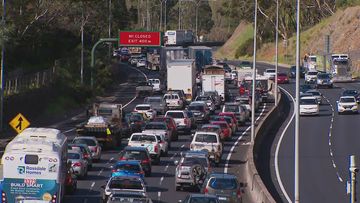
(140, 39)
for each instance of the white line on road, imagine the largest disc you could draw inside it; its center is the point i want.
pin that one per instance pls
(100, 172)
(135, 95)
(276, 160)
(182, 146)
(70, 130)
(159, 196)
(92, 185)
(166, 167)
(161, 179)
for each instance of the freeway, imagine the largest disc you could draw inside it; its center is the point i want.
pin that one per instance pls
(161, 185)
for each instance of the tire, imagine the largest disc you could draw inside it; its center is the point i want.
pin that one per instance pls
(178, 188)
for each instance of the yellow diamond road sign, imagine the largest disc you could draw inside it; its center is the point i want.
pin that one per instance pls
(19, 123)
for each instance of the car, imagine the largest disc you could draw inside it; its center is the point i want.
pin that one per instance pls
(228, 119)
(84, 149)
(158, 128)
(148, 141)
(92, 143)
(170, 122)
(244, 100)
(125, 168)
(129, 196)
(231, 115)
(311, 76)
(191, 198)
(147, 109)
(182, 120)
(181, 94)
(217, 98)
(210, 142)
(192, 118)
(137, 153)
(79, 164)
(292, 72)
(70, 181)
(123, 183)
(225, 128)
(164, 145)
(309, 106)
(189, 162)
(134, 59)
(225, 186)
(200, 111)
(315, 94)
(282, 78)
(212, 128)
(347, 104)
(135, 122)
(141, 63)
(351, 92)
(173, 101)
(239, 112)
(208, 100)
(324, 79)
(156, 84)
(157, 103)
(305, 87)
(270, 73)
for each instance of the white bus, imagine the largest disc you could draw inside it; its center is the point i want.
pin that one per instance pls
(34, 167)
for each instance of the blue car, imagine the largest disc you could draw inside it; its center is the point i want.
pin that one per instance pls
(128, 168)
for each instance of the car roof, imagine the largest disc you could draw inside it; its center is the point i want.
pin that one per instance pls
(74, 151)
(197, 103)
(308, 97)
(210, 126)
(84, 137)
(156, 123)
(345, 97)
(143, 105)
(132, 177)
(205, 132)
(218, 122)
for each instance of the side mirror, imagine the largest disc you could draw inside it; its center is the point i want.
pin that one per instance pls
(176, 163)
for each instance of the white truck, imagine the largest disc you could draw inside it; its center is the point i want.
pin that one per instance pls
(148, 141)
(341, 68)
(181, 75)
(213, 79)
(179, 37)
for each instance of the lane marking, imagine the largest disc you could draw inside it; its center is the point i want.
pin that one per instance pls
(173, 156)
(182, 146)
(238, 140)
(159, 196)
(70, 130)
(166, 167)
(100, 172)
(276, 160)
(161, 179)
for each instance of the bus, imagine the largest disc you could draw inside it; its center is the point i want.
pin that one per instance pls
(35, 167)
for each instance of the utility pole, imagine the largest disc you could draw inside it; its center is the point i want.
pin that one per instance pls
(147, 16)
(110, 23)
(3, 22)
(161, 15)
(297, 115)
(82, 45)
(197, 4)
(254, 77)
(353, 169)
(179, 15)
(276, 51)
(165, 16)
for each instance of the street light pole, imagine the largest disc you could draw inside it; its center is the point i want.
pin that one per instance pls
(2, 70)
(161, 15)
(165, 16)
(82, 45)
(276, 51)
(147, 16)
(254, 78)
(179, 15)
(297, 116)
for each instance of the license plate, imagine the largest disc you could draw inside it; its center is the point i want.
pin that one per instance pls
(223, 198)
(212, 156)
(185, 176)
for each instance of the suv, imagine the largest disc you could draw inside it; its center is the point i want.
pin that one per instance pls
(183, 173)
(270, 73)
(93, 145)
(147, 109)
(311, 76)
(239, 112)
(182, 120)
(208, 100)
(148, 141)
(208, 141)
(156, 84)
(225, 186)
(347, 104)
(157, 103)
(173, 101)
(324, 79)
(140, 154)
(123, 183)
(199, 110)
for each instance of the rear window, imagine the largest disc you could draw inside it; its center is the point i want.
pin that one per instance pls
(203, 98)
(171, 96)
(73, 156)
(308, 101)
(142, 108)
(175, 114)
(126, 184)
(231, 108)
(190, 161)
(88, 142)
(152, 126)
(270, 70)
(223, 183)
(206, 138)
(143, 138)
(127, 167)
(134, 155)
(312, 73)
(196, 108)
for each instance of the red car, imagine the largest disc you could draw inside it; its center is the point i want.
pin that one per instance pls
(170, 122)
(70, 182)
(225, 128)
(282, 78)
(230, 114)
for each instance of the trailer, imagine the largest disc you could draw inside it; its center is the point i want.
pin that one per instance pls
(213, 79)
(341, 68)
(179, 37)
(201, 54)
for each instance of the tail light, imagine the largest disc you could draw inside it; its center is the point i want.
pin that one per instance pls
(122, 158)
(96, 149)
(178, 102)
(145, 161)
(156, 149)
(238, 194)
(114, 170)
(54, 197)
(77, 164)
(206, 190)
(68, 180)
(141, 172)
(86, 156)
(3, 197)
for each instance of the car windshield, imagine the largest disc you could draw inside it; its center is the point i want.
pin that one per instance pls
(312, 73)
(88, 142)
(133, 155)
(190, 161)
(206, 138)
(73, 156)
(175, 114)
(155, 126)
(203, 200)
(323, 76)
(202, 98)
(210, 128)
(223, 183)
(308, 101)
(126, 184)
(143, 138)
(231, 108)
(143, 108)
(347, 100)
(270, 70)
(127, 167)
(196, 108)
(350, 92)
(315, 93)
(133, 118)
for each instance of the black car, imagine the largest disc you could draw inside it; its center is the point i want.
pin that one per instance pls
(305, 87)
(203, 198)
(137, 153)
(292, 72)
(354, 93)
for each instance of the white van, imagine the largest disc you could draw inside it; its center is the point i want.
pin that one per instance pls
(157, 87)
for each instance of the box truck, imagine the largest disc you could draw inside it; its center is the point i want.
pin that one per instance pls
(201, 54)
(213, 79)
(179, 37)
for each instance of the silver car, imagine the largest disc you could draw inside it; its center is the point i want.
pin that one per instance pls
(93, 145)
(78, 163)
(122, 184)
(157, 103)
(239, 112)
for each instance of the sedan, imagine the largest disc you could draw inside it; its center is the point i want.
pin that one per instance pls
(123, 183)
(282, 78)
(347, 104)
(79, 164)
(93, 145)
(125, 168)
(309, 106)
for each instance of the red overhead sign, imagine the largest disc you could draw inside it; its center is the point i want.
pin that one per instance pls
(140, 39)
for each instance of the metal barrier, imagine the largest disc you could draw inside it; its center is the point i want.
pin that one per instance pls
(20, 84)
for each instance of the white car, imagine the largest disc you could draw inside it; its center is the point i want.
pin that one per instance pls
(309, 106)
(311, 76)
(141, 63)
(148, 141)
(316, 94)
(92, 143)
(182, 120)
(270, 73)
(156, 84)
(173, 101)
(147, 109)
(347, 104)
(210, 142)
(164, 145)
(158, 128)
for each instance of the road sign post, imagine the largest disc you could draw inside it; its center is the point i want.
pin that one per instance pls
(353, 169)
(19, 123)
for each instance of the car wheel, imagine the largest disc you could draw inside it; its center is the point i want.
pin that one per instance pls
(178, 188)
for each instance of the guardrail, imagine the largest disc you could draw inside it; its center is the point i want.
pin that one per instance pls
(16, 85)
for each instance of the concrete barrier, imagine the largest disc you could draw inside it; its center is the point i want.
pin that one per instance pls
(255, 189)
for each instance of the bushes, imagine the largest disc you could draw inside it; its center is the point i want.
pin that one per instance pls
(246, 48)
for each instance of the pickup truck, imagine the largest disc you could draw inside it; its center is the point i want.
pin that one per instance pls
(144, 88)
(148, 141)
(158, 128)
(173, 101)
(182, 120)
(210, 142)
